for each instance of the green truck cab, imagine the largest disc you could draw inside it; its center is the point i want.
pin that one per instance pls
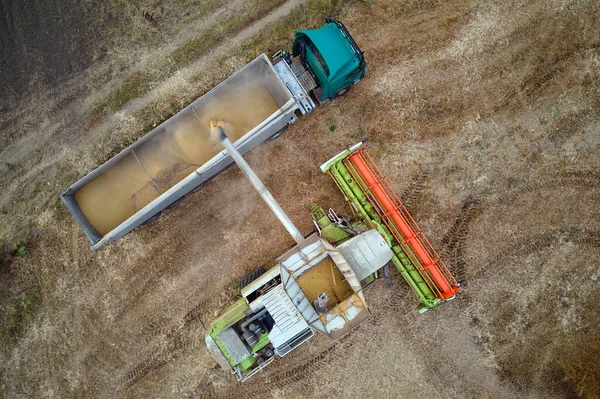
(333, 57)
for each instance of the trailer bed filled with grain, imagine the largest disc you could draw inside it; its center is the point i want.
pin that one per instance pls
(180, 155)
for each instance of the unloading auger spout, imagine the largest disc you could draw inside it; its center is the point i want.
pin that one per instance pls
(218, 132)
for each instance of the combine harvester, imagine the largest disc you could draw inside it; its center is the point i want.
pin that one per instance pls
(178, 157)
(318, 284)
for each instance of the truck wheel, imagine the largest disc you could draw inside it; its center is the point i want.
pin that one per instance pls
(344, 90)
(250, 277)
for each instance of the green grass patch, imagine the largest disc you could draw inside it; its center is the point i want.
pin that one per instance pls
(276, 36)
(201, 9)
(21, 315)
(140, 83)
(133, 87)
(120, 147)
(226, 26)
(195, 48)
(21, 250)
(103, 77)
(281, 34)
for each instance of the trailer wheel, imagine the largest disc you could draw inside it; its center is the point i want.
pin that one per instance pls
(152, 219)
(250, 277)
(278, 133)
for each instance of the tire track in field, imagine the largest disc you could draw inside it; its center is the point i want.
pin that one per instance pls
(566, 179)
(307, 367)
(538, 243)
(455, 240)
(415, 188)
(176, 344)
(485, 338)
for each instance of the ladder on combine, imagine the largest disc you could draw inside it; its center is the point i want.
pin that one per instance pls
(407, 233)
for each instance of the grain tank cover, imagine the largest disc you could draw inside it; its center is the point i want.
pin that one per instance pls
(289, 323)
(366, 253)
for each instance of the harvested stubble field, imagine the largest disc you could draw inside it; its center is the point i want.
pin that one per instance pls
(483, 115)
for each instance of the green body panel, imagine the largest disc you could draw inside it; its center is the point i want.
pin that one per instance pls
(249, 361)
(335, 235)
(232, 315)
(229, 317)
(332, 56)
(360, 203)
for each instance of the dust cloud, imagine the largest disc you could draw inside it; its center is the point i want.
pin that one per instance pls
(178, 147)
(239, 117)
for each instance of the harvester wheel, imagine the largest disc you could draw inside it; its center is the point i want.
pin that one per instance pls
(250, 277)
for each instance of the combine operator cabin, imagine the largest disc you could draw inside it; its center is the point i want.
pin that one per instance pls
(314, 288)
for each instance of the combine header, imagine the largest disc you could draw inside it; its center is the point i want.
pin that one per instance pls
(373, 200)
